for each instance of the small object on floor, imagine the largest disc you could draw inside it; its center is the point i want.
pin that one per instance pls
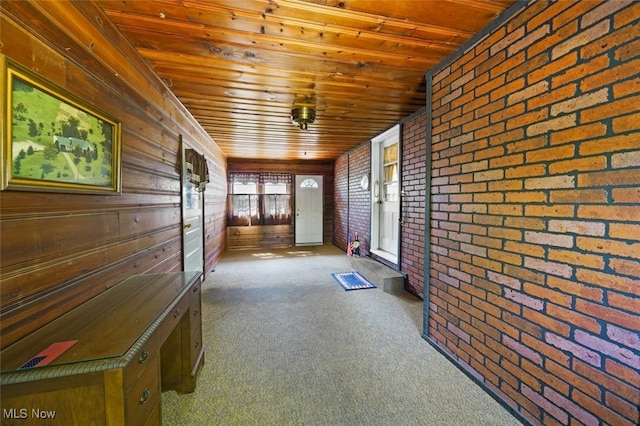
(353, 247)
(352, 281)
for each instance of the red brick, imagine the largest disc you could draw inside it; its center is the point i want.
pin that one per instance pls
(551, 154)
(608, 281)
(506, 185)
(627, 15)
(487, 264)
(578, 164)
(547, 351)
(626, 195)
(566, 375)
(511, 135)
(554, 210)
(627, 159)
(505, 304)
(505, 209)
(576, 258)
(507, 160)
(617, 248)
(612, 384)
(547, 12)
(576, 319)
(624, 231)
(580, 39)
(601, 411)
(583, 416)
(552, 124)
(505, 233)
(508, 39)
(546, 98)
(489, 153)
(526, 197)
(606, 347)
(522, 324)
(526, 171)
(545, 238)
(609, 75)
(498, 118)
(631, 304)
(578, 133)
(612, 178)
(575, 288)
(596, 229)
(612, 315)
(523, 350)
(625, 267)
(553, 68)
(577, 9)
(624, 373)
(577, 196)
(492, 84)
(622, 407)
(611, 109)
(581, 70)
(610, 144)
(627, 51)
(604, 10)
(580, 102)
(623, 336)
(627, 123)
(505, 257)
(524, 223)
(552, 39)
(529, 118)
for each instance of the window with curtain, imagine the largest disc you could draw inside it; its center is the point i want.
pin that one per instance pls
(260, 198)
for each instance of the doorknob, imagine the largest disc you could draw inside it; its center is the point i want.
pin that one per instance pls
(188, 225)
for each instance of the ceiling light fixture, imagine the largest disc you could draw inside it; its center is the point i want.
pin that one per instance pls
(302, 116)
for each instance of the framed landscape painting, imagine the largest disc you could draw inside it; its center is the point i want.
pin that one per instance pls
(53, 140)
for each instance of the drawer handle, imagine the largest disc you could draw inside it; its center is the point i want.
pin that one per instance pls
(176, 314)
(195, 289)
(143, 356)
(197, 344)
(145, 395)
(195, 312)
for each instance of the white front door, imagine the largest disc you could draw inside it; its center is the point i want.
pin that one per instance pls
(308, 220)
(192, 222)
(385, 207)
(390, 209)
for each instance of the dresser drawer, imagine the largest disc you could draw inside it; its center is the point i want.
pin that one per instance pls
(196, 288)
(143, 396)
(170, 322)
(142, 358)
(196, 337)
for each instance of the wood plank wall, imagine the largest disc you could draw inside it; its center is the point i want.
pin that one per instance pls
(60, 249)
(243, 237)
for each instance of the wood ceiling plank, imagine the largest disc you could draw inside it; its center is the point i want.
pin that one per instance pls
(239, 67)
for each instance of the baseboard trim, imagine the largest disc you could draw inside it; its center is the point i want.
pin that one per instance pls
(487, 389)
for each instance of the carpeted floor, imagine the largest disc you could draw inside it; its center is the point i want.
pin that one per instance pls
(286, 345)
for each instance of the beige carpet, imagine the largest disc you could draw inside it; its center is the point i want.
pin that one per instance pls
(286, 345)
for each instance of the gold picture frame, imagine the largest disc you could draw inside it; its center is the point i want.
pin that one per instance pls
(54, 141)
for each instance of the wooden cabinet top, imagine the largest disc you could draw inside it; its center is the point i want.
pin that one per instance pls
(106, 328)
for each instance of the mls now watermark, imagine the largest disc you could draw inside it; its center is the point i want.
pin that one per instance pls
(23, 413)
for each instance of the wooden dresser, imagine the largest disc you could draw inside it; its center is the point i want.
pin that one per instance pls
(136, 339)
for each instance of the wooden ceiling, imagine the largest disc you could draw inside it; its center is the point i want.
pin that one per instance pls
(240, 66)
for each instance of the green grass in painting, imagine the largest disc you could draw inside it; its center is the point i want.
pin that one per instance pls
(49, 113)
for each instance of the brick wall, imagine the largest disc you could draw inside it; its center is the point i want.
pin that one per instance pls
(340, 201)
(534, 279)
(353, 201)
(414, 171)
(359, 199)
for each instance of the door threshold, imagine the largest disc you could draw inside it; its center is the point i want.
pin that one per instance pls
(385, 255)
